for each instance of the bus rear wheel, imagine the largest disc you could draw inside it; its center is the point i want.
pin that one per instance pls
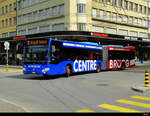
(98, 69)
(68, 71)
(123, 67)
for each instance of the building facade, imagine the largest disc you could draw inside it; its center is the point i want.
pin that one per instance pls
(121, 17)
(7, 18)
(126, 21)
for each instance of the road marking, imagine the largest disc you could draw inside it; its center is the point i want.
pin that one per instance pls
(140, 104)
(118, 108)
(85, 111)
(141, 98)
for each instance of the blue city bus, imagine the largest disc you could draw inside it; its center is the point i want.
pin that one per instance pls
(55, 57)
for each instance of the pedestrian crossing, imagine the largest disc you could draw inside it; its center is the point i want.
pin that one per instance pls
(118, 108)
(126, 103)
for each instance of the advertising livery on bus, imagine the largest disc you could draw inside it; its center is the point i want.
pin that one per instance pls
(54, 57)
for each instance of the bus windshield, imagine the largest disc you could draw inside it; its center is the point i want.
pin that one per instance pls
(36, 54)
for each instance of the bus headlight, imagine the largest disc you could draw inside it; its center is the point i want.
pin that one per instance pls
(24, 69)
(46, 70)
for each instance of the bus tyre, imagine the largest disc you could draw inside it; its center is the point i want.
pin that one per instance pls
(123, 67)
(98, 68)
(68, 71)
(45, 76)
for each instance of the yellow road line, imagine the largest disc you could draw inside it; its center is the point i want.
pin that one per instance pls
(118, 108)
(134, 103)
(141, 98)
(85, 111)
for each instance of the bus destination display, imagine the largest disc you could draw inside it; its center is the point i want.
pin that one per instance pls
(37, 42)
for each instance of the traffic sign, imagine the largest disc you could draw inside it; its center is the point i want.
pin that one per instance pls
(7, 45)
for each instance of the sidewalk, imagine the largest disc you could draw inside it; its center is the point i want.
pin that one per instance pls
(141, 88)
(17, 69)
(145, 63)
(11, 66)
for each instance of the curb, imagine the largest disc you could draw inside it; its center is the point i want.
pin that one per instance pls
(10, 66)
(12, 70)
(140, 88)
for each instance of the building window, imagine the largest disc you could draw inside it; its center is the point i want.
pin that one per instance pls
(14, 5)
(114, 17)
(3, 10)
(135, 7)
(125, 4)
(61, 9)
(6, 21)
(133, 33)
(54, 11)
(145, 10)
(81, 27)
(120, 3)
(3, 23)
(81, 8)
(142, 34)
(140, 8)
(44, 28)
(22, 32)
(140, 21)
(111, 31)
(58, 27)
(131, 20)
(32, 30)
(125, 19)
(41, 13)
(98, 29)
(119, 18)
(135, 20)
(108, 15)
(6, 9)
(145, 23)
(12, 34)
(114, 2)
(10, 7)
(10, 21)
(14, 19)
(102, 15)
(4, 35)
(123, 32)
(130, 6)
(94, 12)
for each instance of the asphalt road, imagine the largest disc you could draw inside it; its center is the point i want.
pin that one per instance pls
(95, 92)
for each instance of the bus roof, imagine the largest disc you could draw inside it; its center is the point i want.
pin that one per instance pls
(129, 48)
(115, 45)
(82, 45)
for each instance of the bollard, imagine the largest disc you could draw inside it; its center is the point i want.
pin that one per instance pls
(6, 67)
(146, 79)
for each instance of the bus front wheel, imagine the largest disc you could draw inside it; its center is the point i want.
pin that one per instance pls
(68, 71)
(45, 76)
